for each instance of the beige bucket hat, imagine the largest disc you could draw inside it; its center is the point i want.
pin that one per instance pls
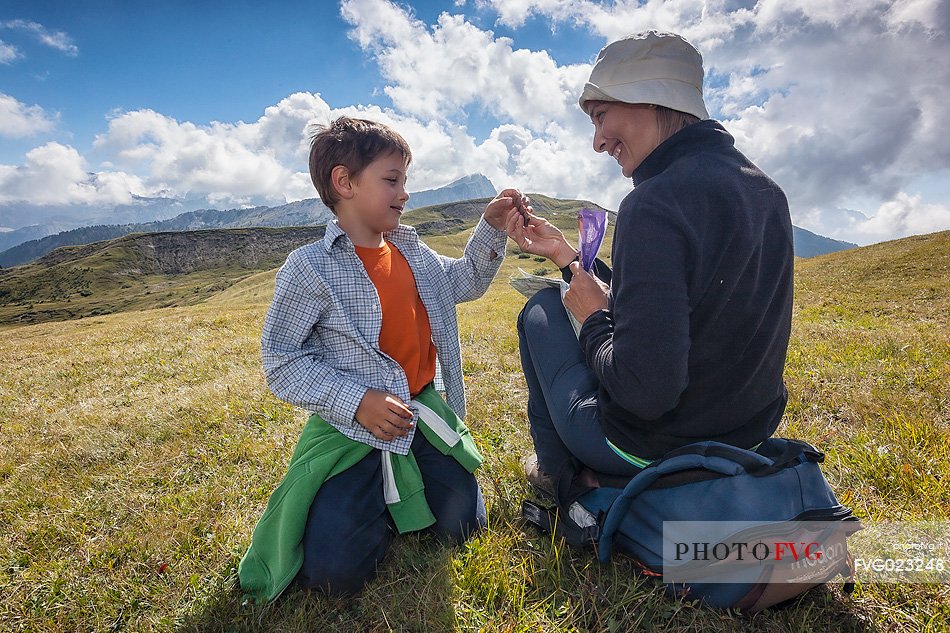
(650, 67)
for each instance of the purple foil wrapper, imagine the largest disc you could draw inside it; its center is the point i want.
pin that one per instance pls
(591, 228)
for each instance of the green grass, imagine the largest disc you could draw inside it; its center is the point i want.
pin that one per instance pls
(140, 448)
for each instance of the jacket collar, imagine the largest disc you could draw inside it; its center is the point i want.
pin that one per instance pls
(402, 236)
(697, 137)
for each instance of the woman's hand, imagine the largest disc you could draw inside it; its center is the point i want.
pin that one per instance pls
(384, 415)
(503, 208)
(536, 235)
(586, 295)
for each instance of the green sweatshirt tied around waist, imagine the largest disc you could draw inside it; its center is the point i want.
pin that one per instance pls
(276, 551)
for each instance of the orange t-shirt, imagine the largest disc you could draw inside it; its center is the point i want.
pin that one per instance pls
(405, 334)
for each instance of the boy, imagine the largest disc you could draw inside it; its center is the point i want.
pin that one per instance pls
(358, 321)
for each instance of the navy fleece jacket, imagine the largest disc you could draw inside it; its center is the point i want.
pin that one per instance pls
(693, 344)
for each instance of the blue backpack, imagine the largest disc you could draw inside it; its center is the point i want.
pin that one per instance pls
(759, 491)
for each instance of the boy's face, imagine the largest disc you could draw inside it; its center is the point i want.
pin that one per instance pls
(380, 194)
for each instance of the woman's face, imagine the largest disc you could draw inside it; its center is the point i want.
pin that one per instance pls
(626, 131)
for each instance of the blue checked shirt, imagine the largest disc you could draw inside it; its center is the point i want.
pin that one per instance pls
(320, 344)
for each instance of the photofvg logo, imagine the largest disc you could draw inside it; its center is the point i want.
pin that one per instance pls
(805, 551)
(746, 551)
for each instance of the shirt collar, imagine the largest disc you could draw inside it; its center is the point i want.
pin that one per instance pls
(693, 138)
(332, 234)
(402, 236)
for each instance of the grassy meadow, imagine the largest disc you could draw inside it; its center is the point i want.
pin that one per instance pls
(139, 449)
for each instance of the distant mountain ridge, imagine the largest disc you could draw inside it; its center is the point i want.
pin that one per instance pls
(309, 212)
(808, 244)
(30, 221)
(465, 188)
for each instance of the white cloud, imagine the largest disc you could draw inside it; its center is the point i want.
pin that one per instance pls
(221, 160)
(440, 72)
(18, 120)
(55, 174)
(904, 215)
(514, 13)
(8, 53)
(266, 160)
(232, 164)
(437, 71)
(923, 12)
(59, 40)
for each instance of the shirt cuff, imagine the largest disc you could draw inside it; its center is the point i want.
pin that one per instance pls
(597, 323)
(487, 238)
(349, 395)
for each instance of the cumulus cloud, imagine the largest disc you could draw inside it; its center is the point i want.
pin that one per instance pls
(54, 174)
(436, 72)
(442, 71)
(59, 40)
(18, 120)
(905, 214)
(230, 163)
(265, 161)
(841, 114)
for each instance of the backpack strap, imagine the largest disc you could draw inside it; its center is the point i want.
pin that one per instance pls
(712, 456)
(755, 464)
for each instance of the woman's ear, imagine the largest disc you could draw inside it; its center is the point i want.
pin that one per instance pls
(342, 185)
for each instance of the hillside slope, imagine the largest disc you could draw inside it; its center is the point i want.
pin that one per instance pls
(904, 279)
(141, 271)
(300, 213)
(438, 211)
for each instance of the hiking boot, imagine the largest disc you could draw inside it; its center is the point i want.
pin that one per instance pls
(542, 482)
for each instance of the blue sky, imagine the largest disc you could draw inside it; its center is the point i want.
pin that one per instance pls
(209, 61)
(196, 61)
(844, 104)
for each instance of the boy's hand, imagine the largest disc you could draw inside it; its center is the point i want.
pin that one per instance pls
(506, 205)
(384, 415)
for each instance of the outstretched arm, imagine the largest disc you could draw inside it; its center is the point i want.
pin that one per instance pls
(471, 274)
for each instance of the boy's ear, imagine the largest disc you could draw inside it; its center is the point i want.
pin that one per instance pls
(342, 184)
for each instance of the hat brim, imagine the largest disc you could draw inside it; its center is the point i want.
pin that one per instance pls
(669, 93)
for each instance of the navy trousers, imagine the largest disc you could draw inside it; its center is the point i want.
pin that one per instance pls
(562, 390)
(349, 530)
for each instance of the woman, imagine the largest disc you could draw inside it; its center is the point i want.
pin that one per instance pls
(685, 339)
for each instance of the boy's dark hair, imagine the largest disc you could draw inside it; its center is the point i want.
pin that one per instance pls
(353, 143)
